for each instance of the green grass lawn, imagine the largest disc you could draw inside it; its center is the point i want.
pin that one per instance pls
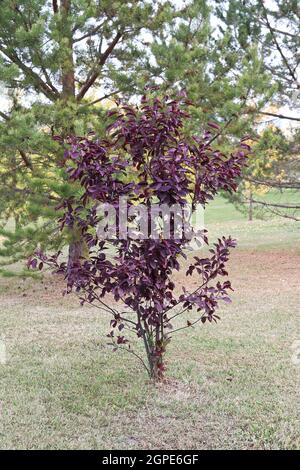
(221, 210)
(231, 385)
(273, 233)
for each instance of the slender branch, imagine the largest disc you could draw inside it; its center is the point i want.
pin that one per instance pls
(90, 33)
(100, 308)
(135, 354)
(184, 327)
(277, 45)
(28, 71)
(280, 31)
(221, 131)
(92, 77)
(104, 97)
(285, 216)
(272, 208)
(180, 301)
(24, 157)
(46, 75)
(28, 28)
(275, 184)
(211, 276)
(280, 116)
(145, 338)
(110, 310)
(273, 204)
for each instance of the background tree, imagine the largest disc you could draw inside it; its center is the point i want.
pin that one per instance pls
(273, 27)
(199, 54)
(60, 60)
(52, 54)
(266, 162)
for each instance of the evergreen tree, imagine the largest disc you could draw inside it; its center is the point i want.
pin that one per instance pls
(54, 56)
(273, 27)
(266, 162)
(60, 60)
(200, 54)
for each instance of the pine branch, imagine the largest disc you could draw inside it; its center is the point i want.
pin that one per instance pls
(280, 31)
(104, 97)
(92, 32)
(39, 83)
(273, 208)
(275, 184)
(4, 116)
(24, 157)
(92, 77)
(28, 28)
(277, 45)
(274, 204)
(280, 116)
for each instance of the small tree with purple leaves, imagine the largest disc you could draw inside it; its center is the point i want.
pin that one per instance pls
(148, 158)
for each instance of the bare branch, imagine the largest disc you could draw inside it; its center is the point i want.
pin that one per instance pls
(135, 354)
(273, 208)
(279, 116)
(274, 204)
(4, 116)
(280, 31)
(89, 34)
(92, 77)
(104, 97)
(277, 45)
(275, 184)
(184, 327)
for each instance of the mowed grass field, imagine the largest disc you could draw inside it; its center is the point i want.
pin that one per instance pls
(231, 385)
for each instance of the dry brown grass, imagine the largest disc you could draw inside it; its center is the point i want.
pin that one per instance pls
(231, 385)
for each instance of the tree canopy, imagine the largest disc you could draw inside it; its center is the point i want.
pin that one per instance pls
(60, 61)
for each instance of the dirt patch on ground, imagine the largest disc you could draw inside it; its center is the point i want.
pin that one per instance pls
(248, 270)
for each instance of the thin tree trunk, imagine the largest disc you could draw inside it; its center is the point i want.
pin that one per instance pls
(250, 212)
(76, 246)
(74, 255)
(157, 355)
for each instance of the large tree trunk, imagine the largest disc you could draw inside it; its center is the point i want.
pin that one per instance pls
(67, 72)
(68, 94)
